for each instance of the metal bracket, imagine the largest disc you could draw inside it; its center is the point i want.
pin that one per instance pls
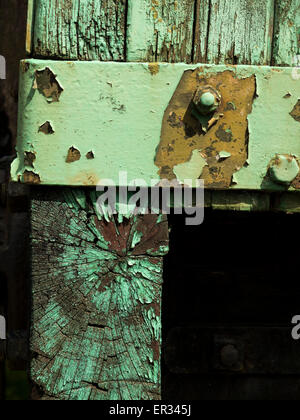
(82, 123)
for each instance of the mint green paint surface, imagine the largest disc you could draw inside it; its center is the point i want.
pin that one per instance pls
(96, 300)
(116, 111)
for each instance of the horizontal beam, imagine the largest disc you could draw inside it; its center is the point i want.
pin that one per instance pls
(81, 123)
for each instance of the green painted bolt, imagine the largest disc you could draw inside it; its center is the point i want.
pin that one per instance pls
(284, 169)
(207, 99)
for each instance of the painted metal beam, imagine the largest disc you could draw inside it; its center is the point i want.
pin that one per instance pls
(81, 123)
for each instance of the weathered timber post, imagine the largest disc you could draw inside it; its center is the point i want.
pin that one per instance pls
(96, 285)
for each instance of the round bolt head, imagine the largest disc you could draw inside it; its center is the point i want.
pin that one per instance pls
(284, 169)
(207, 99)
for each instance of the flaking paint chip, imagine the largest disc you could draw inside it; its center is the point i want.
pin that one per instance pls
(46, 83)
(90, 155)
(46, 128)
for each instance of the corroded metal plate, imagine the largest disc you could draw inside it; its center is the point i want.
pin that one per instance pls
(223, 131)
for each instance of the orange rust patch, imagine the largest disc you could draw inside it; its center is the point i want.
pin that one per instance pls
(182, 133)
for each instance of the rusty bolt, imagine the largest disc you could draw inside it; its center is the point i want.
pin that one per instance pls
(206, 100)
(284, 169)
(230, 356)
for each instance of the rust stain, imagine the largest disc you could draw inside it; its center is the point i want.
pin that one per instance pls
(24, 66)
(153, 68)
(46, 128)
(226, 129)
(47, 84)
(86, 178)
(73, 155)
(90, 155)
(296, 111)
(30, 177)
(29, 159)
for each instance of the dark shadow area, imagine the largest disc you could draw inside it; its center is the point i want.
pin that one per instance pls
(233, 281)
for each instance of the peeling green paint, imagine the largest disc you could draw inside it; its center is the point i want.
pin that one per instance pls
(80, 30)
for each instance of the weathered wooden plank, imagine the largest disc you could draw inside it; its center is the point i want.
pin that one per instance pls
(80, 30)
(96, 287)
(239, 32)
(287, 33)
(160, 30)
(29, 28)
(55, 138)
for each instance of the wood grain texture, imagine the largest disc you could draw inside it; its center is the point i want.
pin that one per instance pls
(239, 32)
(96, 289)
(80, 30)
(287, 33)
(160, 30)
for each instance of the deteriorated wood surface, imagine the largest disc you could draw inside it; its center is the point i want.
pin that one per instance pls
(160, 30)
(202, 20)
(287, 33)
(239, 32)
(77, 30)
(96, 294)
(202, 31)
